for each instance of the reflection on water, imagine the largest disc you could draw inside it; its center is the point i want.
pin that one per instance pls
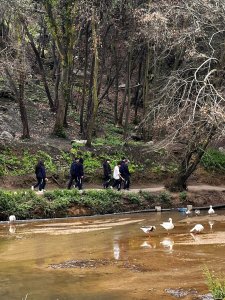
(211, 223)
(12, 229)
(167, 244)
(116, 247)
(109, 257)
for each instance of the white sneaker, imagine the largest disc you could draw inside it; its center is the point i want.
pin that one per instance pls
(32, 188)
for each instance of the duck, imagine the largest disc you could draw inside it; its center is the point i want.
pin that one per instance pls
(211, 211)
(12, 218)
(148, 229)
(197, 212)
(188, 212)
(168, 225)
(197, 228)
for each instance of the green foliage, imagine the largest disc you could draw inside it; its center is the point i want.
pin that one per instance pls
(12, 164)
(101, 202)
(213, 160)
(148, 196)
(57, 203)
(165, 198)
(109, 141)
(134, 198)
(216, 285)
(60, 132)
(183, 196)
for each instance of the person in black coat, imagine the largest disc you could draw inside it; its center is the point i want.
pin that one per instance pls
(76, 173)
(107, 173)
(125, 173)
(40, 175)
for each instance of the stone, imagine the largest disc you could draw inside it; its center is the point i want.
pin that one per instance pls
(5, 135)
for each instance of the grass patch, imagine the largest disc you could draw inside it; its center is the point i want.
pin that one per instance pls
(215, 284)
(58, 203)
(213, 160)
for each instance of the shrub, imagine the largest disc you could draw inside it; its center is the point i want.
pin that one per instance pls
(183, 196)
(213, 160)
(165, 198)
(134, 198)
(148, 196)
(216, 285)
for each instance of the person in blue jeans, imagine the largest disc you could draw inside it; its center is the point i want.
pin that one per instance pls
(40, 175)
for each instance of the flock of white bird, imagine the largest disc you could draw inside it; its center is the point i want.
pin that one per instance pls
(169, 225)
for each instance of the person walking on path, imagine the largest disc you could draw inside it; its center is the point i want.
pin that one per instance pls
(107, 173)
(76, 173)
(40, 175)
(125, 173)
(117, 176)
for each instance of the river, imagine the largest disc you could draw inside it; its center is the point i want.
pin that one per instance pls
(109, 257)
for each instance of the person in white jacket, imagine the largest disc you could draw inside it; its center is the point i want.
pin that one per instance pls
(117, 177)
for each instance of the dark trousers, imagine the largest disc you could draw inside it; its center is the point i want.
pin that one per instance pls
(40, 184)
(117, 184)
(78, 182)
(106, 182)
(126, 184)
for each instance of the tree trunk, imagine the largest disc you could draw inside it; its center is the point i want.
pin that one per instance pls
(63, 95)
(120, 120)
(137, 94)
(41, 67)
(190, 163)
(146, 95)
(128, 96)
(94, 105)
(84, 82)
(116, 92)
(23, 112)
(19, 93)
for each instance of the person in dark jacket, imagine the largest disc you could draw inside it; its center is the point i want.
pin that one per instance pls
(40, 175)
(125, 173)
(76, 173)
(107, 173)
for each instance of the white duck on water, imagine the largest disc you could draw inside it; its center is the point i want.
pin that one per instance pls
(148, 229)
(197, 212)
(197, 228)
(168, 225)
(211, 211)
(12, 218)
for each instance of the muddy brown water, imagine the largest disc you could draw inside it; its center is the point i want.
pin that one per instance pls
(110, 257)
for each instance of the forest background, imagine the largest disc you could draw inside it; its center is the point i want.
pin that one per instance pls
(140, 79)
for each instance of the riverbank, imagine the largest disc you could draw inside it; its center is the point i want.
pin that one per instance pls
(27, 204)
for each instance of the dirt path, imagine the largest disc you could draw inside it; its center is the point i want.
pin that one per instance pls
(161, 188)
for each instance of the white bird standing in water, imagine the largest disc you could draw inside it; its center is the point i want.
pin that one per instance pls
(197, 212)
(188, 212)
(148, 229)
(12, 218)
(197, 228)
(211, 211)
(168, 225)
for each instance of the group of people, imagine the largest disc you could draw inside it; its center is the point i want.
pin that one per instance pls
(120, 175)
